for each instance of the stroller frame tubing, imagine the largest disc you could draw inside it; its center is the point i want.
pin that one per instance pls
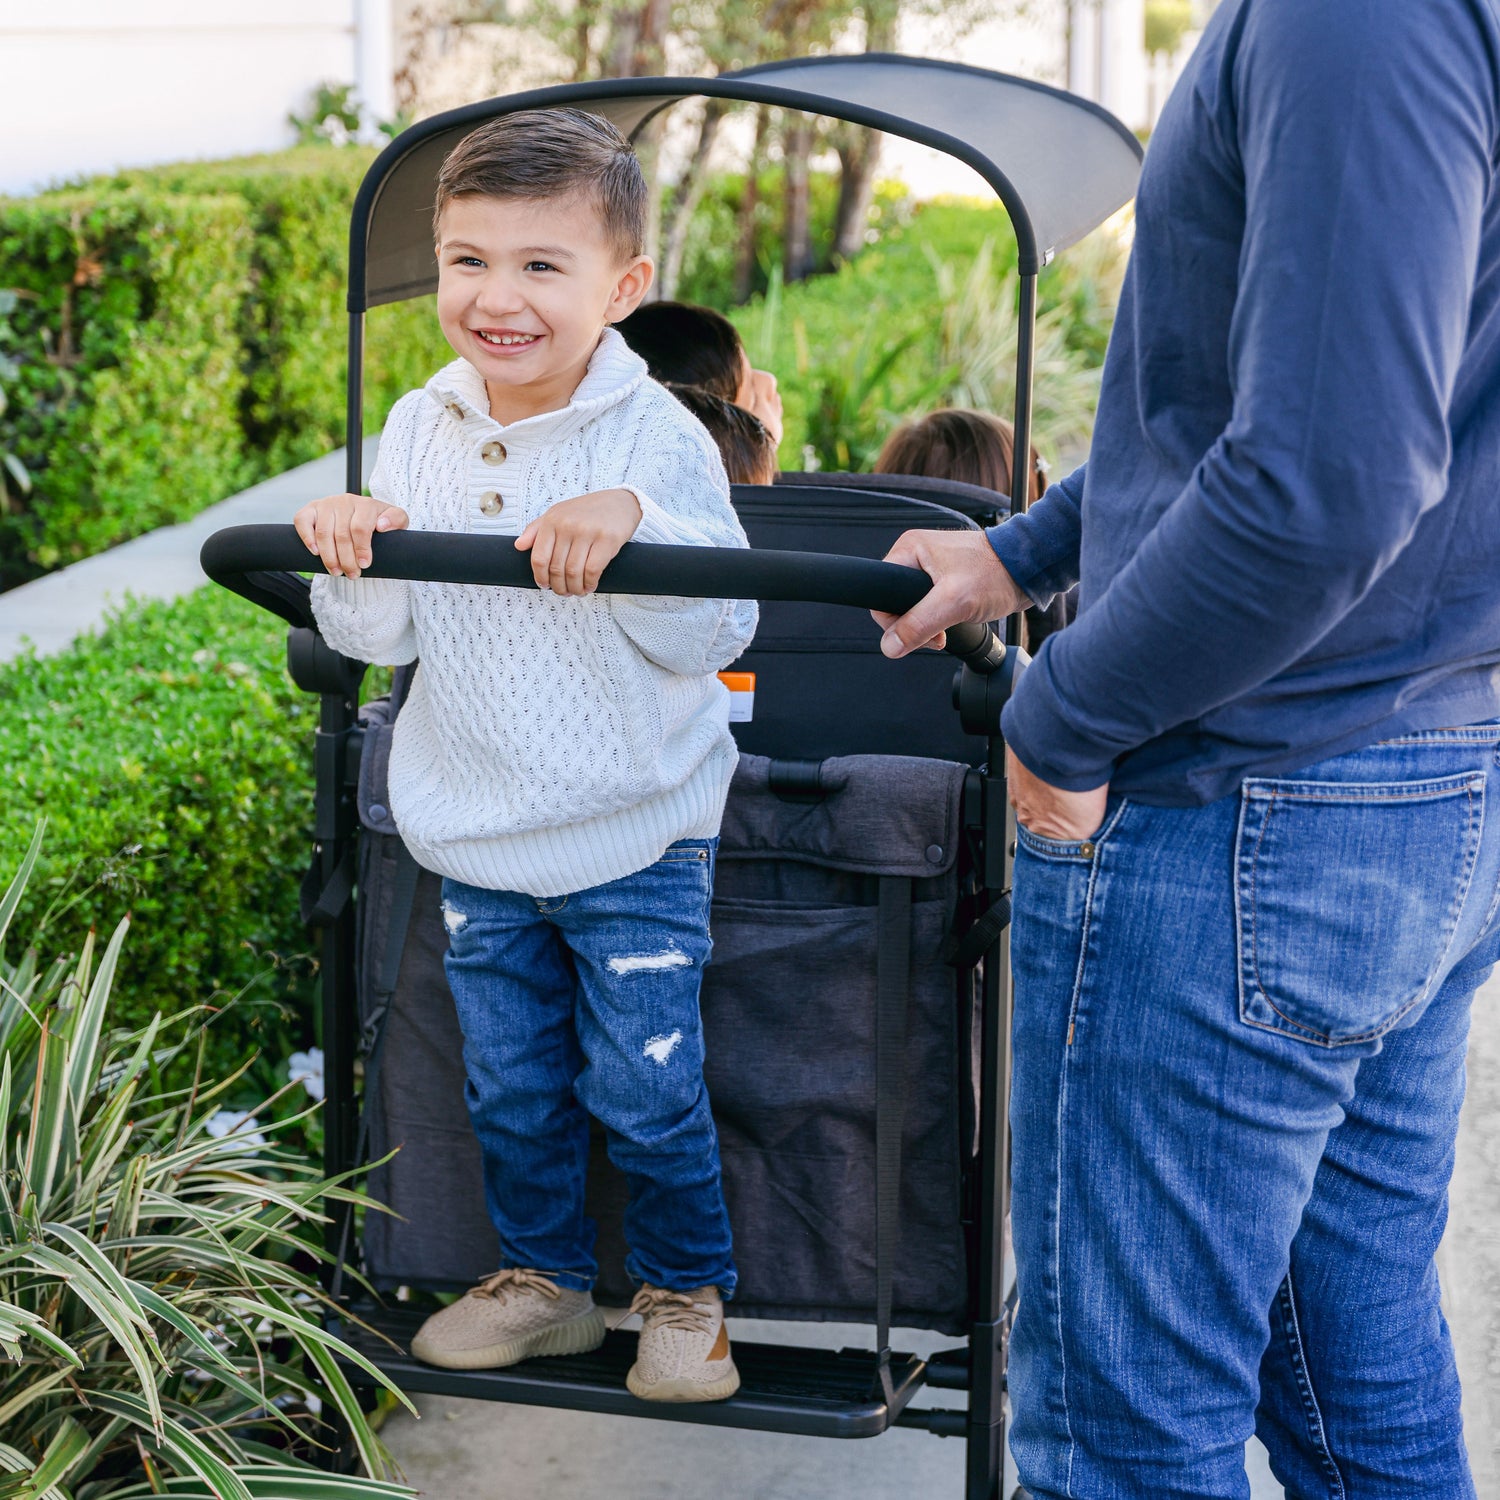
(335, 823)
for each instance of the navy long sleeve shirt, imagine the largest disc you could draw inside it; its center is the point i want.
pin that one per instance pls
(1288, 531)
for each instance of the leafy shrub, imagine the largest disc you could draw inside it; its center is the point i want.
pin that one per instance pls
(14, 476)
(332, 116)
(125, 409)
(183, 335)
(293, 326)
(171, 755)
(155, 1305)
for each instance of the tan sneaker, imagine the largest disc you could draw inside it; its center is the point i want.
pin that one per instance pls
(509, 1317)
(683, 1353)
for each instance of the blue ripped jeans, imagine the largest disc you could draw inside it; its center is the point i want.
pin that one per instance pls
(587, 1004)
(1239, 1060)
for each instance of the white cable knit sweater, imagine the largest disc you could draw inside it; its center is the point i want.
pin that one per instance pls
(549, 744)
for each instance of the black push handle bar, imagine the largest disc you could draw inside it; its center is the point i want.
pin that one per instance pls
(253, 562)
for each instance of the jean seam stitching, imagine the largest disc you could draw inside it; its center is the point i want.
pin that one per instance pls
(1310, 1407)
(1062, 1103)
(1490, 915)
(1326, 1039)
(1431, 791)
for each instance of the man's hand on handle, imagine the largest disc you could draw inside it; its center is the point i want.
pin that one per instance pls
(969, 586)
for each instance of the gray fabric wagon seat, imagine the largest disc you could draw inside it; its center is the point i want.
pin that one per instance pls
(789, 1007)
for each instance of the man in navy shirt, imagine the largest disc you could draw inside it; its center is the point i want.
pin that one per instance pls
(1258, 781)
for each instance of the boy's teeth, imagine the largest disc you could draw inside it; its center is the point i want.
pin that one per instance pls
(508, 338)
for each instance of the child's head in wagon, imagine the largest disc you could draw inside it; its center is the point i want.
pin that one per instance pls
(540, 225)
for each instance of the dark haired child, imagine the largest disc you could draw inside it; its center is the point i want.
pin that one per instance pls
(684, 344)
(563, 758)
(747, 448)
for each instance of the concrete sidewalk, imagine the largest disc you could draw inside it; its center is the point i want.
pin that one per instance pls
(49, 612)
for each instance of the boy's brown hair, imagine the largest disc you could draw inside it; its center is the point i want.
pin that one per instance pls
(551, 153)
(972, 447)
(743, 440)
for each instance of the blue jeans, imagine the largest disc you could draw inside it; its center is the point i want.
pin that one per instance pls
(1239, 1059)
(587, 1004)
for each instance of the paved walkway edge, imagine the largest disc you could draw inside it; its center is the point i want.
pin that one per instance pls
(51, 612)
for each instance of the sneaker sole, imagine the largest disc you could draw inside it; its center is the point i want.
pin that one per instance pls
(577, 1336)
(680, 1389)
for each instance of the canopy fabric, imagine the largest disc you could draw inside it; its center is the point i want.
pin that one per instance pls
(1060, 164)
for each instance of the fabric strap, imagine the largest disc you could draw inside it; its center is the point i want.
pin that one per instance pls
(892, 993)
(964, 952)
(372, 1037)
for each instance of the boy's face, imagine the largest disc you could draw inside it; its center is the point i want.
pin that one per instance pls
(525, 288)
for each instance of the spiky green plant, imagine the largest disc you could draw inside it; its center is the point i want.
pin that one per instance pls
(977, 353)
(158, 1336)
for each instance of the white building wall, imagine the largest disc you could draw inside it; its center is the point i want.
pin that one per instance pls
(94, 85)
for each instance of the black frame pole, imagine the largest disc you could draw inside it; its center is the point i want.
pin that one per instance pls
(1021, 467)
(334, 831)
(989, 1344)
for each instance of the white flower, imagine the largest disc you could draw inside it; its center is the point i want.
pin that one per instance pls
(308, 1066)
(244, 1128)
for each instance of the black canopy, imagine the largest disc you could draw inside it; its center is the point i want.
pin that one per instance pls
(1060, 164)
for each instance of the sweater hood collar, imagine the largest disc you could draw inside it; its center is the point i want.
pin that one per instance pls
(615, 370)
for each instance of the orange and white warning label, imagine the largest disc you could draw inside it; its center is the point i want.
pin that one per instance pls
(741, 687)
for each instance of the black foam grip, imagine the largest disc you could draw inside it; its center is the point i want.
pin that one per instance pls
(234, 556)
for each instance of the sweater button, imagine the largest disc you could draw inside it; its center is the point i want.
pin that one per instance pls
(455, 410)
(493, 453)
(491, 503)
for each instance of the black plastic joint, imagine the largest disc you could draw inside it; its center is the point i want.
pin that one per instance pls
(317, 668)
(980, 697)
(948, 1370)
(939, 1421)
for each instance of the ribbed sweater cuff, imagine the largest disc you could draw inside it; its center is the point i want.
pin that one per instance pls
(359, 593)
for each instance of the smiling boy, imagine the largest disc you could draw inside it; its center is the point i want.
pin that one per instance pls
(563, 757)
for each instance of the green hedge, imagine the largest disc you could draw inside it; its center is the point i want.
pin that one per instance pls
(171, 756)
(293, 324)
(183, 335)
(126, 406)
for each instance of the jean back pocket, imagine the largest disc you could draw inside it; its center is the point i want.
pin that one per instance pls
(1347, 896)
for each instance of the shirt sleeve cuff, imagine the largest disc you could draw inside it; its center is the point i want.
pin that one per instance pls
(1044, 739)
(659, 526)
(1023, 546)
(357, 593)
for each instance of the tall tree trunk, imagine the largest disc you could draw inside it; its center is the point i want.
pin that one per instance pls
(859, 149)
(797, 230)
(637, 39)
(648, 151)
(685, 201)
(583, 47)
(859, 159)
(744, 258)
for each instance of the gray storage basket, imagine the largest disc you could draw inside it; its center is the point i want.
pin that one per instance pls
(789, 1021)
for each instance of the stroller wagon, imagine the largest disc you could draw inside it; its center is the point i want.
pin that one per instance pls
(857, 1012)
